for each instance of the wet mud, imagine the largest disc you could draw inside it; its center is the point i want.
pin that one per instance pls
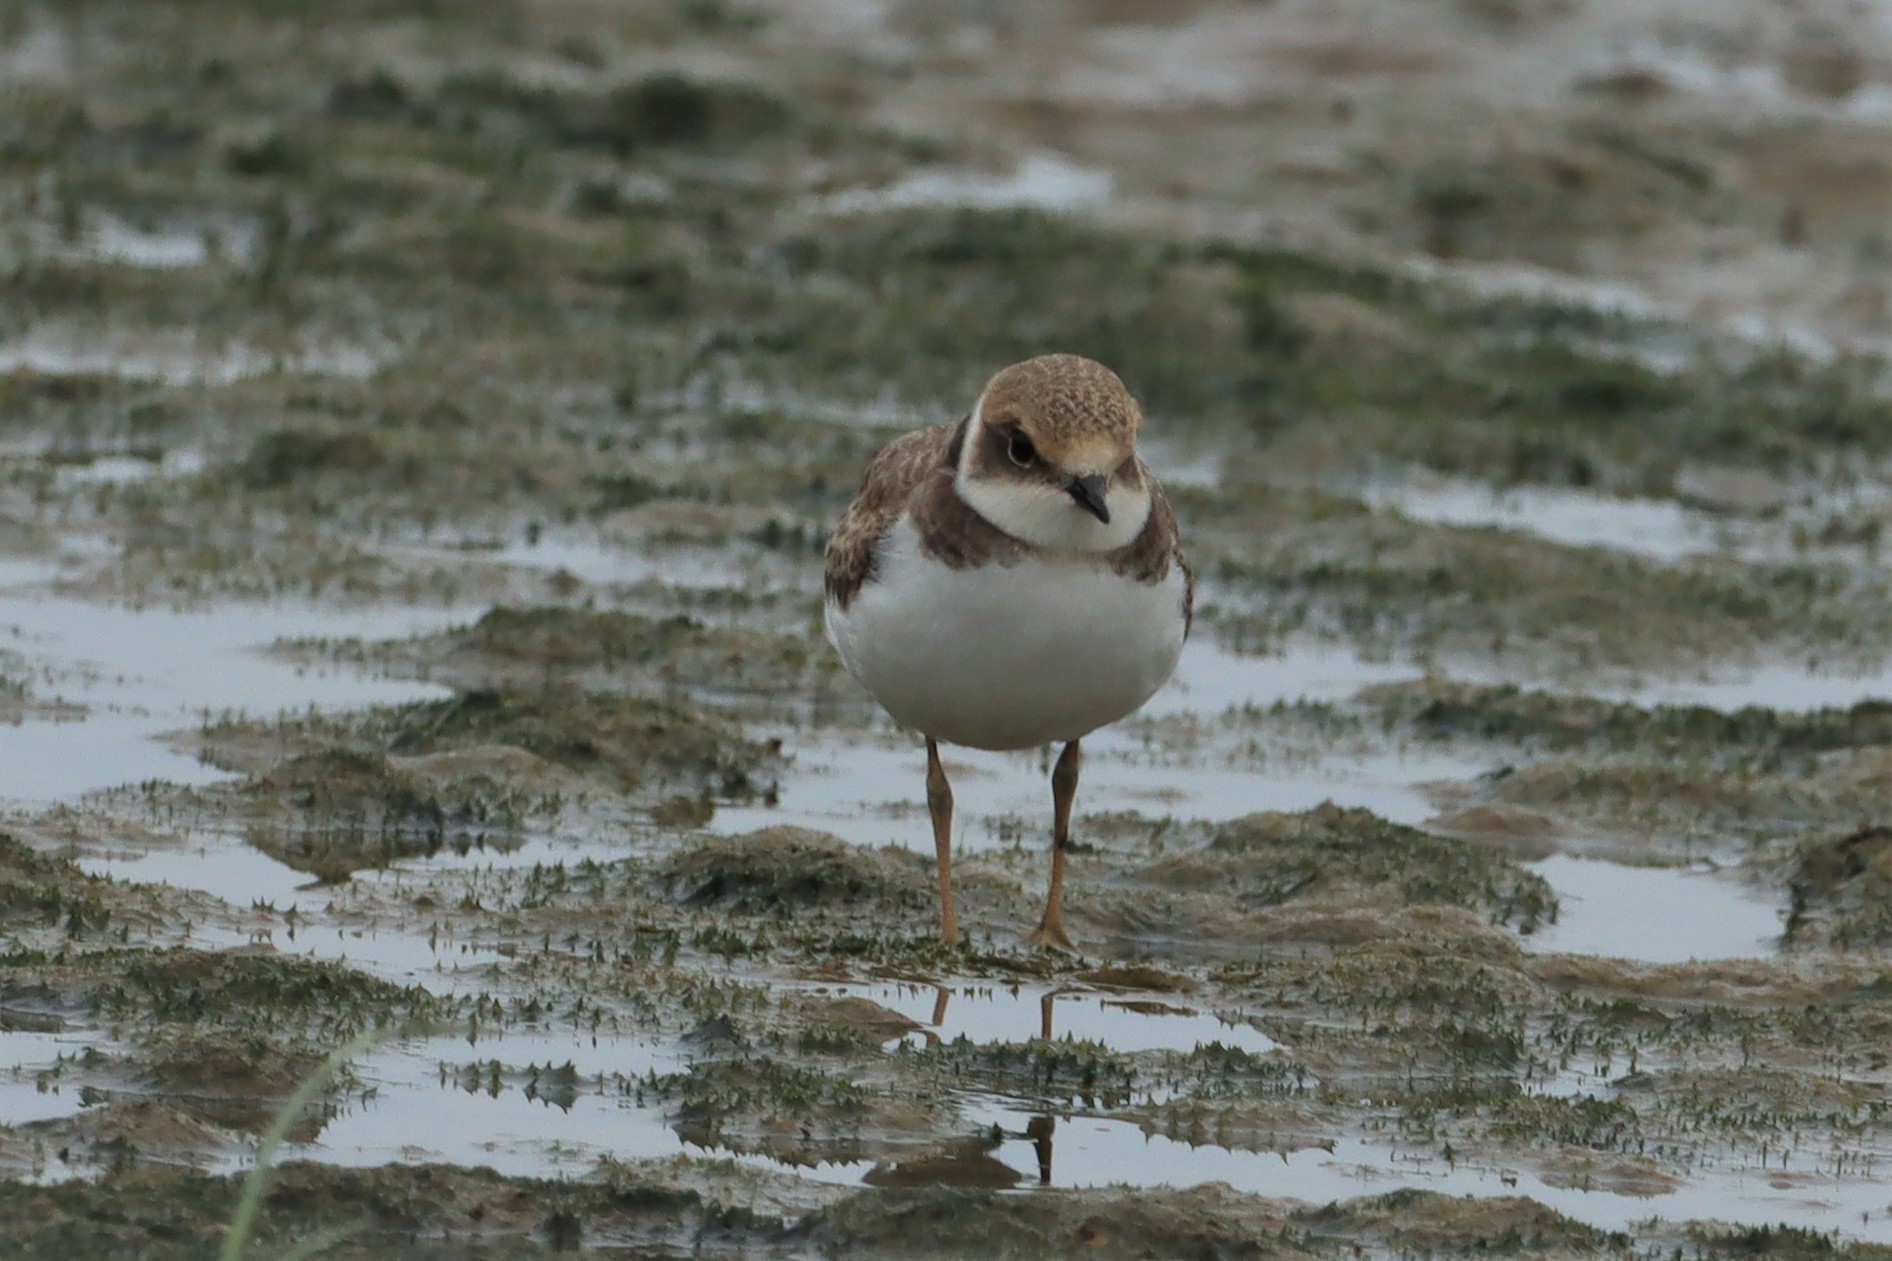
(418, 433)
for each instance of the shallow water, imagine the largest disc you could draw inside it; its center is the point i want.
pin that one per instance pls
(124, 470)
(1047, 1147)
(873, 793)
(109, 238)
(1654, 914)
(142, 673)
(1041, 181)
(174, 360)
(408, 950)
(30, 1089)
(1788, 686)
(1210, 678)
(1660, 529)
(1122, 1021)
(480, 1101)
(437, 1099)
(511, 1102)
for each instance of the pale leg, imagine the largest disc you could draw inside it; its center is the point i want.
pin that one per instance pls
(1050, 930)
(939, 802)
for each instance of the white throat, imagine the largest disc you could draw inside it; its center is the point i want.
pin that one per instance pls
(1043, 515)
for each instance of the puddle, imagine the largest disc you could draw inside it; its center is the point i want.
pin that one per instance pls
(1179, 464)
(1042, 181)
(124, 470)
(1122, 1021)
(405, 949)
(173, 359)
(1047, 1148)
(533, 1103)
(27, 1092)
(1660, 529)
(1653, 914)
(1785, 686)
(1507, 279)
(525, 1104)
(188, 665)
(109, 239)
(223, 867)
(1210, 679)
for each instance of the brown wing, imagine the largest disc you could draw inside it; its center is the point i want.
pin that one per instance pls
(1157, 546)
(892, 477)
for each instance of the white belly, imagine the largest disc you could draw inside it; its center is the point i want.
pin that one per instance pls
(1007, 656)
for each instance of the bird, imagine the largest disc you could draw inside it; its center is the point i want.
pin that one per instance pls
(1012, 581)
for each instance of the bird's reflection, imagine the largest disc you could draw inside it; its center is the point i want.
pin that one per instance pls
(972, 1161)
(1047, 1003)
(1039, 1130)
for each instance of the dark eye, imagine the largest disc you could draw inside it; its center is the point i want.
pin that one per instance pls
(1020, 449)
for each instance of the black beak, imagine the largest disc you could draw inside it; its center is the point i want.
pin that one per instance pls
(1089, 493)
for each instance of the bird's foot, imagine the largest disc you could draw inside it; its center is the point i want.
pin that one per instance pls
(1050, 935)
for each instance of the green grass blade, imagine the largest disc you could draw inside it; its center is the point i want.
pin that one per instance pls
(251, 1200)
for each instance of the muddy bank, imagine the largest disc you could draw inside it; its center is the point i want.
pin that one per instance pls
(413, 474)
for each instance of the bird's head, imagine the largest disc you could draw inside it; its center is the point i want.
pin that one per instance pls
(1050, 456)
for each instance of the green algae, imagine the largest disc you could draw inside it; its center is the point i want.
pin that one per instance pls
(354, 810)
(1841, 890)
(1304, 561)
(206, 989)
(949, 1221)
(1525, 718)
(631, 740)
(1267, 860)
(417, 1212)
(48, 892)
(626, 742)
(510, 645)
(789, 871)
(1433, 1224)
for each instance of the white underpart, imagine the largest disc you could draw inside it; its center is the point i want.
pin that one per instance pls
(1007, 656)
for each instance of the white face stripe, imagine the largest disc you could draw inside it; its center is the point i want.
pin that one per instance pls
(973, 428)
(1043, 515)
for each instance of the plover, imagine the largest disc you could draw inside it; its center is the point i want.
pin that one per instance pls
(1012, 581)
